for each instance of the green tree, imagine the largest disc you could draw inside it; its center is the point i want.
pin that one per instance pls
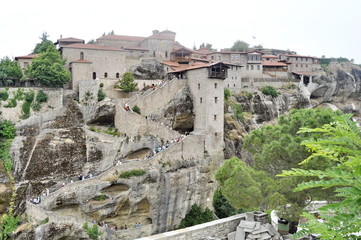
(48, 69)
(270, 91)
(43, 45)
(93, 232)
(240, 46)
(196, 216)
(127, 83)
(222, 208)
(339, 145)
(9, 70)
(208, 46)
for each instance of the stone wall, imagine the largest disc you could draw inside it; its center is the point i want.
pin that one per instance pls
(261, 82)
(88, 92)
(55, 100)
(217, 229)
(151, 101)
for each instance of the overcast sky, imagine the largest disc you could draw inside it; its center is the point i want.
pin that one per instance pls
(309, 27)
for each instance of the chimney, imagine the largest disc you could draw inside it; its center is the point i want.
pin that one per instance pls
(155, 32)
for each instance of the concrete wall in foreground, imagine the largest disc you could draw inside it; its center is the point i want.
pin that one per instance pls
(217, 229)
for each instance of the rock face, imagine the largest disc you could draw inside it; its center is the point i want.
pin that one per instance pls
(148, 69)
(178, 113)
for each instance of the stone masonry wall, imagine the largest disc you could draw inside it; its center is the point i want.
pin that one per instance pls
(55, 100)
(152, 101)
(218, 229)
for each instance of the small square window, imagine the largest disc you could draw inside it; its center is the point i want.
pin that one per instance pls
(200, 100)
(199, 86)
(215, 117)
(215, 99)
(215, 85)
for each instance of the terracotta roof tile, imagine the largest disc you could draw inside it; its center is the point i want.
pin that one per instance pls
(91, 46)
(170, 63)
(31, 56)
(70, 39)
(271, 63)
(136, 48)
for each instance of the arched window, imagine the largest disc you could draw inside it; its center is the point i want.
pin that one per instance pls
(81, 56)
(94, 75)
(117, 75)
(166, 54)
(153, 53)
(105, 75)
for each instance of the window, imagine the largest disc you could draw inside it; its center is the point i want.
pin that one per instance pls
(219, 57)
(166, 54)
(117, 75)
(296, 59)
(81, 56)
(258, 67)
(215, 99)
(228, 84)
(215, 85)
(94, 75)
(247, 67)
(234, 85)
(215, 134)
(252, 67)
(200, 100)
(215, 117)
(218, 71)
(301, 65)
(212, 57)
(296, 65)
(199, 86)
(153, 53)
(105, 75)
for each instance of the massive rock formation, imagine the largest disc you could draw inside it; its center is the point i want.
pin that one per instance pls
(148, 69)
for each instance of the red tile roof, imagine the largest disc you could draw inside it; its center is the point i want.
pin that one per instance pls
(170, 63)
(270, 63)
(71, 39)
(201, 65)
(122, 37)
(91, 46)
(136, 48)
(269, 56)
(81, 61)
(31, 56)
(200, 59)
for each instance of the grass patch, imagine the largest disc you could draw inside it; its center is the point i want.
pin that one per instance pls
(41, 97)
(132, 173)
(4, 95)
(101, 197)
(11, 103)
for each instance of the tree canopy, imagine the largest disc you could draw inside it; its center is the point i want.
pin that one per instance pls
(9, 70)
(48, 69)
(240, 46)
(339, 145)
(43, 45)
(127, 83)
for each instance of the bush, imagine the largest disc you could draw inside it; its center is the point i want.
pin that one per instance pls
(222, 208)
(100, 197)
(11, 103)
(127, 83)
(270, 91)
(247, 94)
(36, 107)
(227, 93)
(7, 130)
(101, 85)
(4, 95)
(19, 95)
(41, 97)
(136, 109)
(238, 112)
(196, 216)
(101, 95)
(92, 232)
(132, 173)
(25, 109)
(29, 96)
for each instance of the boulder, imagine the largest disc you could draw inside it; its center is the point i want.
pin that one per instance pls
(148, 69)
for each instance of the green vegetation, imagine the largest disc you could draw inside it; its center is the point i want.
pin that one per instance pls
(25, 108)
(270, 91)
(327, 61)
(101, 95)
(43, 45)
(101, 197)
(93, 232)
(4, 95)
(111, 131)
(101, 85)
(136, 109)
(249, 95)
(44, 221)
(240, 46)
(238, 112)
(11, 103)
(196, 216)
(41, 97)
(339, 145)
(222, 208)
(8, 222)
(227, 93)
(132, 173)
(9, 70)
(127, 83)
(48, 69)
(275, 148)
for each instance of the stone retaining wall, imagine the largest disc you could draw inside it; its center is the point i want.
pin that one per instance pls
(217, 229)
